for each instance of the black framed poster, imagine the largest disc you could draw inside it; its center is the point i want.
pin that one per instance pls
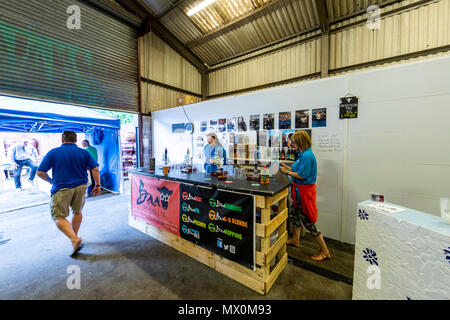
(348, 109)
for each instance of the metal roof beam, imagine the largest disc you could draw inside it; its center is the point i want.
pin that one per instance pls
(133, 8)
(323, 16)
(174, 5)
(153, 25)
(231, 24)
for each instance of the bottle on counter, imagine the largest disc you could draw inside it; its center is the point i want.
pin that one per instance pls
(265, 175)
(292, 155)
(165, 158)
(187, 158)
(283, 155)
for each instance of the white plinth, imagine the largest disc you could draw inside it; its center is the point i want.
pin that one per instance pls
(408, 250)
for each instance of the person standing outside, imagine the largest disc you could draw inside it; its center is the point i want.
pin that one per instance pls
(93, 151)
(303, 175)
(69, 165)
(20, 157)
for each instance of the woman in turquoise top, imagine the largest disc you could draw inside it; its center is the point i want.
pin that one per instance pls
(212, 149)
(303, 175)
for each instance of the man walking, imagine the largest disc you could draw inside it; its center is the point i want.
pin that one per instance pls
(20, 157)
(69, 165)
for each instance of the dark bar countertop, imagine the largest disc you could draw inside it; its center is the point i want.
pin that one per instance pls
(277, 183)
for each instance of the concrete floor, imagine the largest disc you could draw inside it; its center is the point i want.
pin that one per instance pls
(29, 197)
(119, 262)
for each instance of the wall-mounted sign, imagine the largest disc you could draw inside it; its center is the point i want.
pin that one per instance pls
(178, 128)
(348, 109)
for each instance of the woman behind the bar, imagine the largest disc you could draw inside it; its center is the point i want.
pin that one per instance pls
(303, 176)
(213, 148)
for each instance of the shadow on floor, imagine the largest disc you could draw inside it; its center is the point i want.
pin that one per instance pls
(339, 267)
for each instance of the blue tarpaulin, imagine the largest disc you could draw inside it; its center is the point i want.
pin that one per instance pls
(102, 130)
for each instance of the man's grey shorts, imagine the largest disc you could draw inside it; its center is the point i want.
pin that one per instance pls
(65, 198)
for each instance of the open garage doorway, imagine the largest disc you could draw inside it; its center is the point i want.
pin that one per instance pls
(36, 127)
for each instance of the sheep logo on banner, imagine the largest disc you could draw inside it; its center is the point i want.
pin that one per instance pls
(165, 194)
(144, 196)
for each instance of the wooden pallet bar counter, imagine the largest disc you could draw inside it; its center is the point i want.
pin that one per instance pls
(228, 226)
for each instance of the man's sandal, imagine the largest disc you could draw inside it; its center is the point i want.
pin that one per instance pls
(75, 251)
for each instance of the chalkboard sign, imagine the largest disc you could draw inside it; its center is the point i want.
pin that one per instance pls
(348, 108)
(219, 221)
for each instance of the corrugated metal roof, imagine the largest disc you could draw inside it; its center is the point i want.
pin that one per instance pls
(228, 28)
(342, 8)
(159, 6)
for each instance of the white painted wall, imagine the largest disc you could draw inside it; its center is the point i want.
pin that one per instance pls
(399, 145)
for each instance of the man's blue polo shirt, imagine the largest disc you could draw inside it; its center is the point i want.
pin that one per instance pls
(69, 165)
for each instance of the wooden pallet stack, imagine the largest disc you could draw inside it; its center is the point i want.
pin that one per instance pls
(263, 231)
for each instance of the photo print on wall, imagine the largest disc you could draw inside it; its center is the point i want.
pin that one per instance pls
(231, 124)
(302, 119)
(319, 117)
(222, 125)
(242, 126)
(269, 121)
(254, 122)
(285, 120)
(212, 125)
(203, 126)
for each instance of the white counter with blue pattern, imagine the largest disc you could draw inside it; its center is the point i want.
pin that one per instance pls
(403, 255)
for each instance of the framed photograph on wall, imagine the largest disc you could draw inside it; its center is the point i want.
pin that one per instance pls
(285, 120)
(254, 122)
(231, 124)
(302, 119)
(213, 125)
(203, 126)
(242, 125)
(269, 121)
(319, 117)
(222, 125)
